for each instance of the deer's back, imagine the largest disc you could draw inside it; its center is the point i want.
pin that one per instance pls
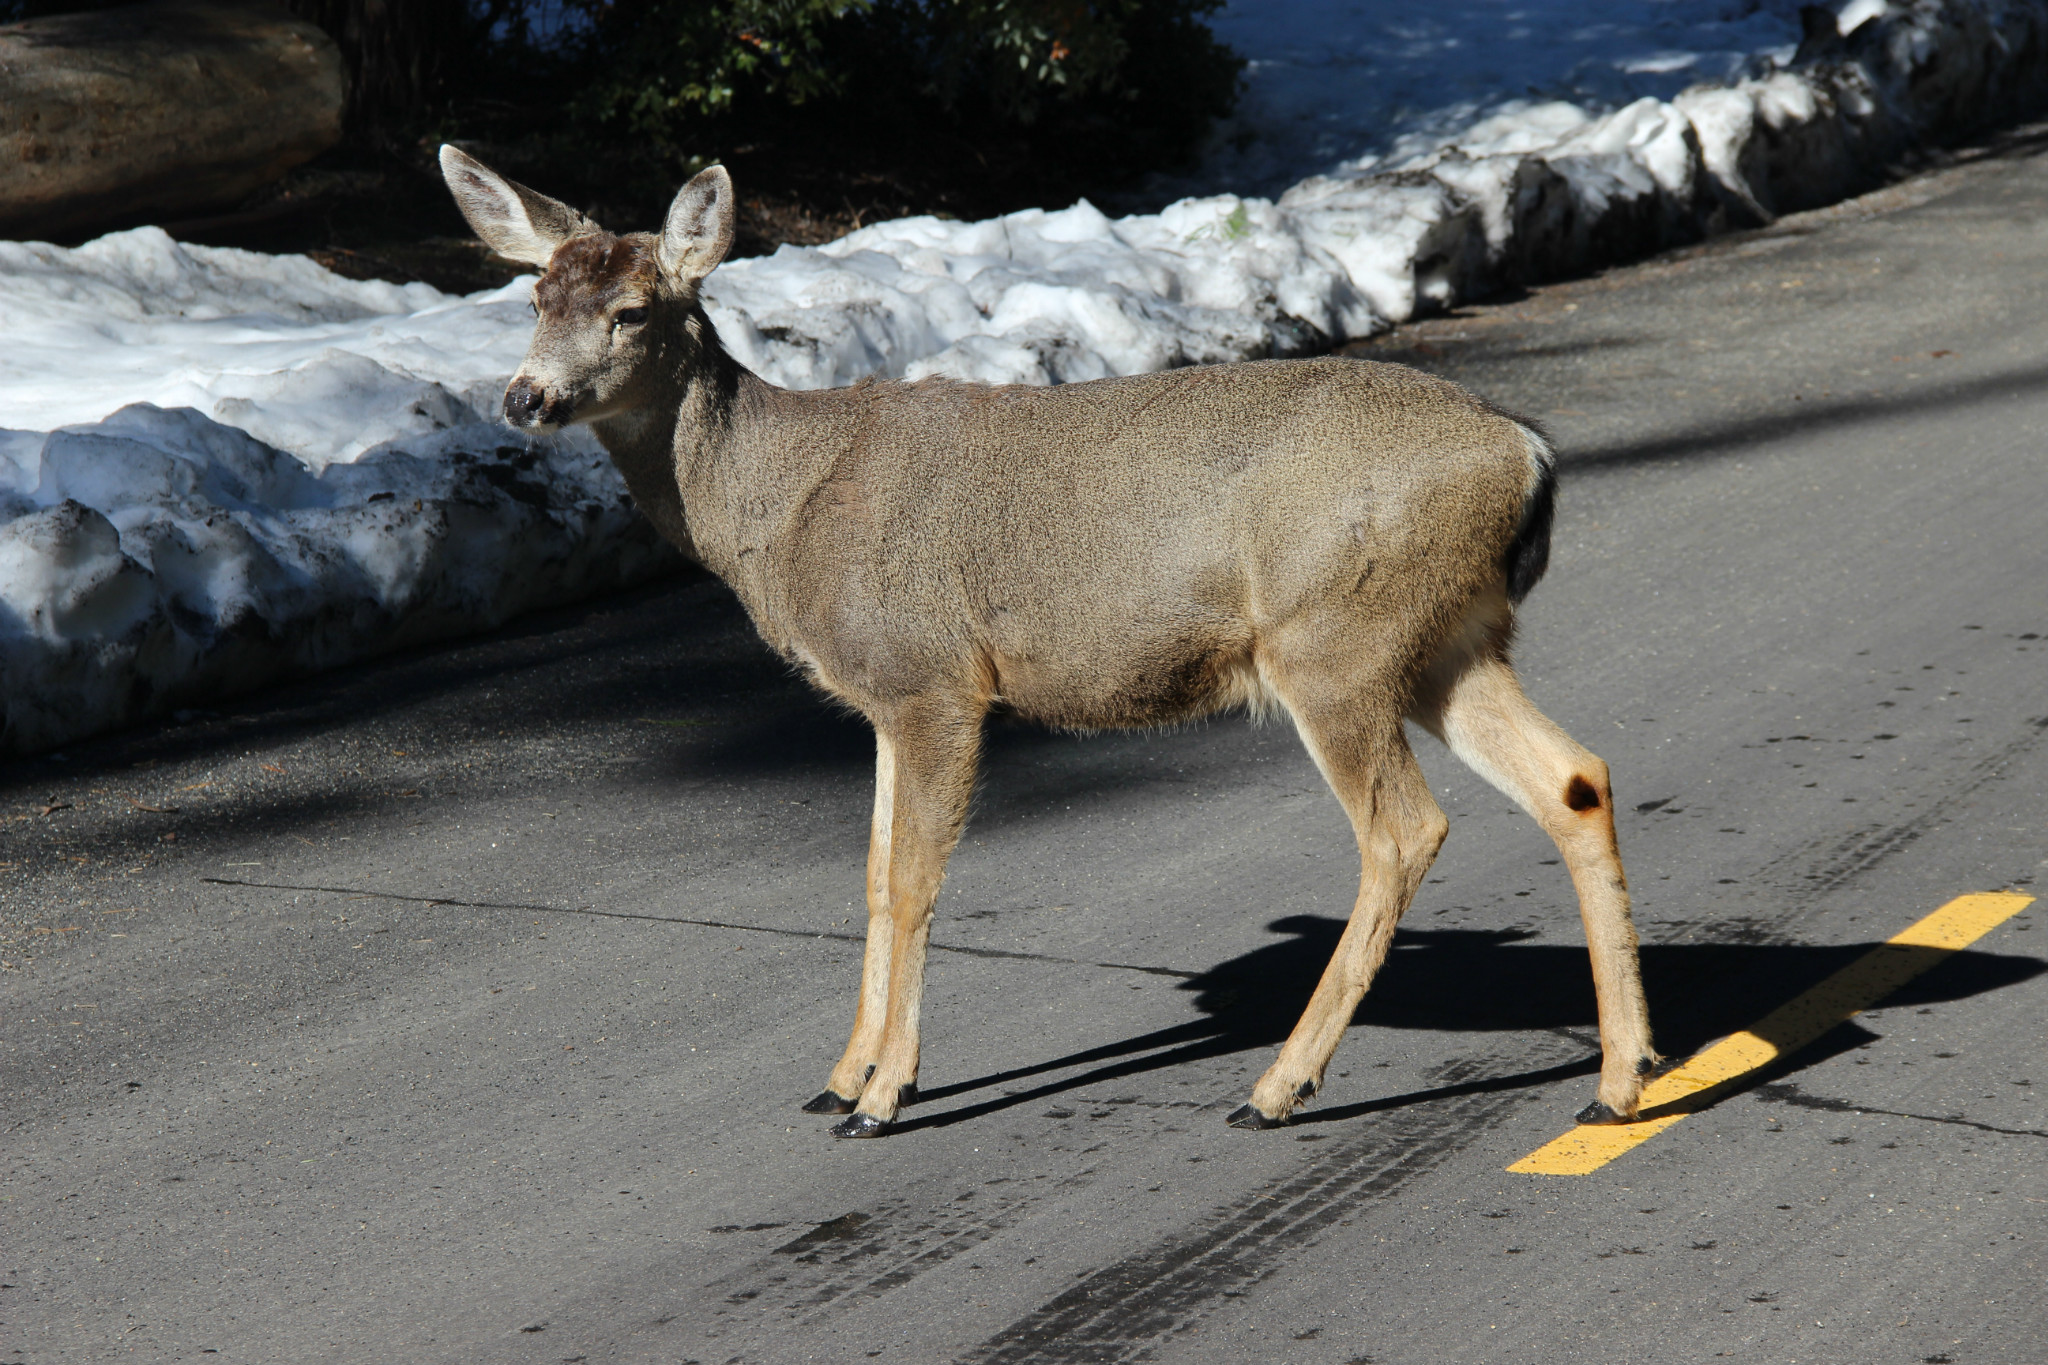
(1111, 552)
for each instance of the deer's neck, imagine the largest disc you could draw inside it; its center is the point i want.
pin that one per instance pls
(722, 461)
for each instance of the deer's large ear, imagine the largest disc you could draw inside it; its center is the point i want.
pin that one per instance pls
(698, 232)
(513, 221)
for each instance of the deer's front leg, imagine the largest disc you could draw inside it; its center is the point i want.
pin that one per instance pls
(927, 754)
(864, 1048)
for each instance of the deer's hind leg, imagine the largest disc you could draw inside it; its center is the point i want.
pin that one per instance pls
(1356, 740)
(1477, 707)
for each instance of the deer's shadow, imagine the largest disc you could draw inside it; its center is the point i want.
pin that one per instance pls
(1473, 981)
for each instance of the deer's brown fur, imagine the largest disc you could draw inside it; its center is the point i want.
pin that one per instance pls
(1332, 538)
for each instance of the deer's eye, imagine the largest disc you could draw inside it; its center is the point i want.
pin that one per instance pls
(533, 307)
(629, 317)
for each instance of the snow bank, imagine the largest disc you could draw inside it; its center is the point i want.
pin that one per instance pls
(1532, 190)
(300, 470)
(297, 472)
(1340, 86)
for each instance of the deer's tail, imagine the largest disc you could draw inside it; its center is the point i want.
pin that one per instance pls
(1528, 554)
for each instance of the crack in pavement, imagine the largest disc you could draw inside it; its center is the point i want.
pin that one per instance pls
(595, 913)
(1784, 1092)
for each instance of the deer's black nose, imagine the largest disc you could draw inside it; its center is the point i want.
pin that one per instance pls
(523, 402)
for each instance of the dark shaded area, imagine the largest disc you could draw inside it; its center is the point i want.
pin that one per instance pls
(13, 10)
(623, 648)
(678, 648)
(1742, 434)
(915, 108)
(1730, 437)
(672, 673)
(1485, 980)
(399, 54)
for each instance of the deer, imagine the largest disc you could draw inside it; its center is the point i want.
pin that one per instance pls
(1340, 542)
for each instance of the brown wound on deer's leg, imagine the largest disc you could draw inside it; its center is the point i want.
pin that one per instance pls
(1580, 795)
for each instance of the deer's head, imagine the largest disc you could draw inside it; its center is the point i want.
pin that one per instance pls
(614, 311)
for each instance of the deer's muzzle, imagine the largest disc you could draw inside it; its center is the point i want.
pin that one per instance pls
(527, 404)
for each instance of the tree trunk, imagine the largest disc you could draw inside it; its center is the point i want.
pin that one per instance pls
(397, 52)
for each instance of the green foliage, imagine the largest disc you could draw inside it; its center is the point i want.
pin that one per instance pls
(665, 62)
(679, 71)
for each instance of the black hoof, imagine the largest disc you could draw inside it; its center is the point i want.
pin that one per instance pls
(1596, 1112)
(1245, 1116)
(907, 1096)
(861, 1126)
(826, 1102)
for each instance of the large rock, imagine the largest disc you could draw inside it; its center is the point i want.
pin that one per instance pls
(156, 111)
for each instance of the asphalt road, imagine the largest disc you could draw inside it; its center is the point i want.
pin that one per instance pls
(459, 1008)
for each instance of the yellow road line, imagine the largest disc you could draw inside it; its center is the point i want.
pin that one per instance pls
(1784, 1030)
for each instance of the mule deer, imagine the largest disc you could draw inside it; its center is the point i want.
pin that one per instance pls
(1339, 540)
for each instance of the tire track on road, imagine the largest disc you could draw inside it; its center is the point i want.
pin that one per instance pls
(1120, 1311)
(1813, 869)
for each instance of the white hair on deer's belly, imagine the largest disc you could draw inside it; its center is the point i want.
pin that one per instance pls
(218, 466)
